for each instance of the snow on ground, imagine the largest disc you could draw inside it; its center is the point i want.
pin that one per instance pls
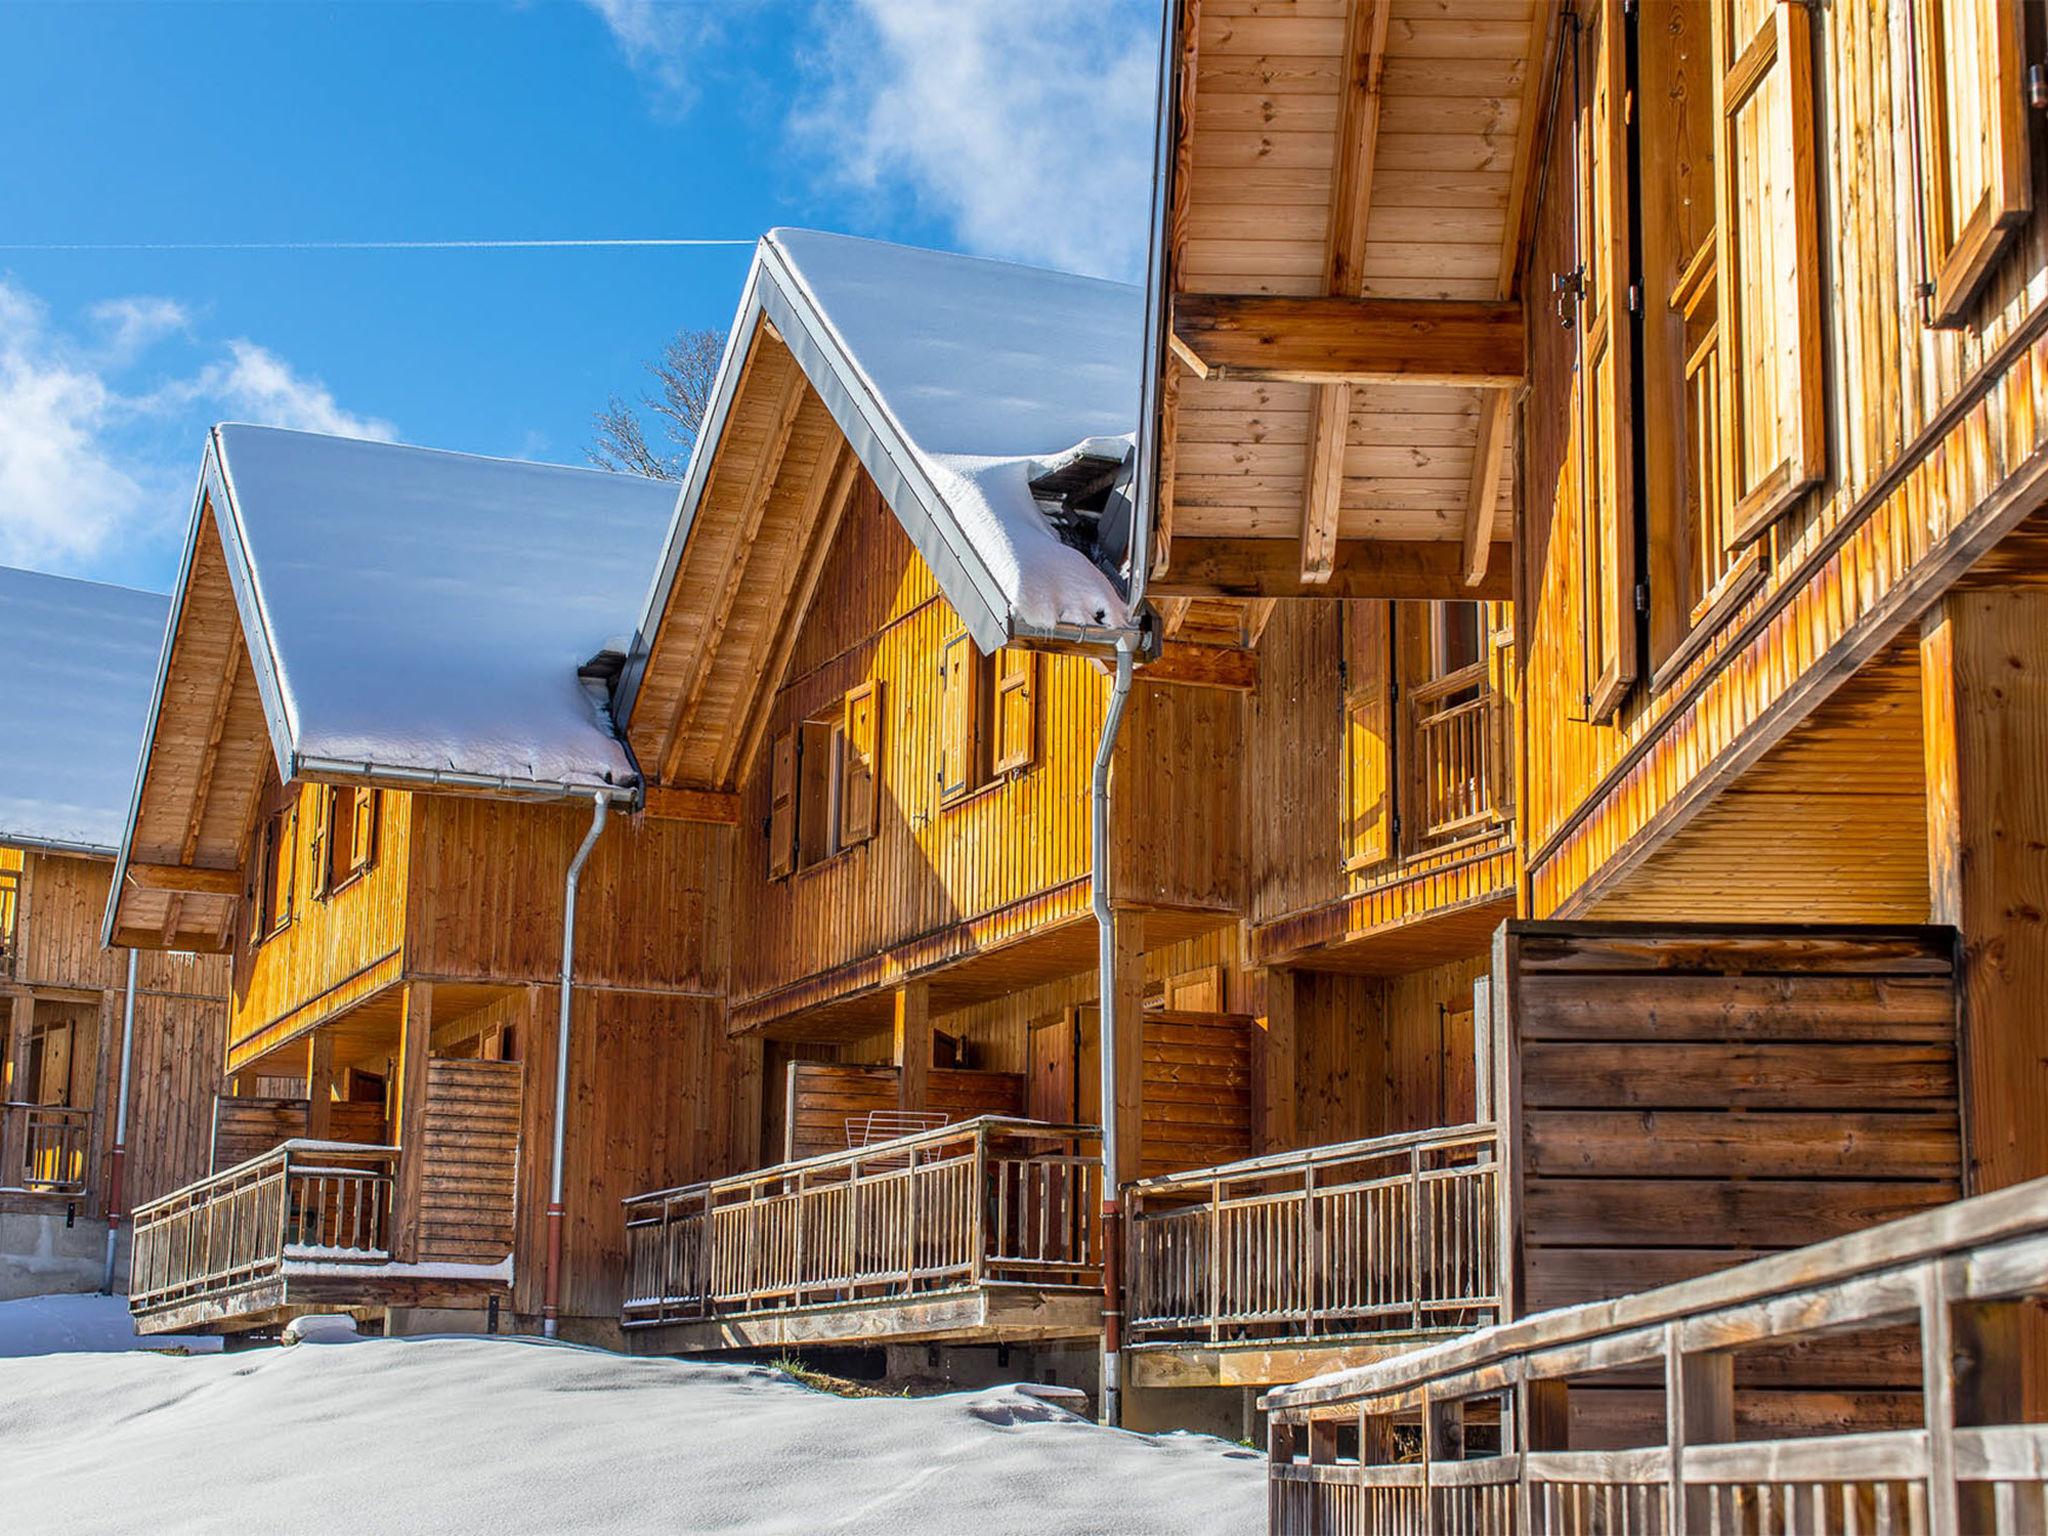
(93, 1324)
(495, 1435)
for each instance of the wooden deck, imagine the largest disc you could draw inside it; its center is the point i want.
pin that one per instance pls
(1276, 1268)
(986, 1230)
(304, 1227)
(1385, 1448)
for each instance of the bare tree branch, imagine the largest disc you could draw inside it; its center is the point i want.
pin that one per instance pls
(683, 375)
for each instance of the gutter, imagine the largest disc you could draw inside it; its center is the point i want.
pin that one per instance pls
(455, 778)
(600, 802)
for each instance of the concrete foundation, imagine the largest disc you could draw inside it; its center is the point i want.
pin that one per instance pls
(404, 1322)
(47, 1253)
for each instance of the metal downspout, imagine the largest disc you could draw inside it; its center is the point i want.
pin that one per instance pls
(1106, 1052)
(115, 1210)
(600, 803)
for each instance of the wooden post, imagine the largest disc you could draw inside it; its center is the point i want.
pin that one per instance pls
(320, 1085)
(913, 1041)
(408, 1117)
(14, 1141)
(1984, 681)
(1278, 1098)
(1130, 1043)
(1699, 1406)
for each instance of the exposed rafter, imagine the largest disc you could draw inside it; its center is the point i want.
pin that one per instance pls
(1495, 414)
(1419, 569)
(795, 390)
(217, 726)
(1357, 341)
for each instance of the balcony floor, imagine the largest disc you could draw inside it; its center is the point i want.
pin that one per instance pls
(985, 1314)
(1267, 1362)
(272, 1300)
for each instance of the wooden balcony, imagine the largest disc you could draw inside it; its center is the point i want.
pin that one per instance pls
(304, 1227)
(1492, 1434)
(1463, 769)
(48, 1147)
(1283, 1266)
(982, 1231)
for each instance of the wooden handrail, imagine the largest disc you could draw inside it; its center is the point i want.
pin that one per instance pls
(1310, 1157)
(1471, 675)
(989, 1200)
(1959, 1276)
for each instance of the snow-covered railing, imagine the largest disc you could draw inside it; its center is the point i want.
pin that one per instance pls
(318, 1201)
(1490, 1433)
(983, 1201)
(48, 1146)
(1395, 1235)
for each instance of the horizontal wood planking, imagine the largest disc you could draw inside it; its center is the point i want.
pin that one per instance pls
(825, 1096)
(468, 1185)
(1687, 1096)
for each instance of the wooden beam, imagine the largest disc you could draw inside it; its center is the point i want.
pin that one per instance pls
(832, 480)
(666, 802)
(1279, 1101)
(1483, 495)
(1257, 615)
(1129, 979)
(1173, 612)
(320, 1084)
(409, 1118)
(1323, 486)
(191, 940)
(753, 507)
(185, 877)
(14, 1143)
(1362, 341)
(912, 1041)
(1393, 568)
(1203, 666)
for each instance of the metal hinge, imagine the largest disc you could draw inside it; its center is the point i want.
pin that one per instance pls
(2037, 87)
(1343, 672)
(1568, 290)
(1397, 829)
(1642, 597)
(1635, 298)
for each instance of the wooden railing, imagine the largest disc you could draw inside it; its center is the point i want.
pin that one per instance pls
(1396, 1235)
(992, 1200)
(1385, 1448)
(1461, 761)
(55, 1143)
(326, 1202)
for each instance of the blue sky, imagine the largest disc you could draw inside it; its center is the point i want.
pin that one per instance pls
(982, 125)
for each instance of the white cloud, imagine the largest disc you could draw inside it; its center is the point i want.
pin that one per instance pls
(1027, 127)
(257, 385)
(665, 41)
(94, 467)
(61, 492)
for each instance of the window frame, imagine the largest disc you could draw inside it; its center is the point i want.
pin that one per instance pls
(277, 873)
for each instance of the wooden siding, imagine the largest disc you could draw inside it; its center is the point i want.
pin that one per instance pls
(470, 1156)
(484, 900)
(936, 883)
(658, 1096)
(1936, 442)
(822, 1097)
(1682, 1098)
(180, 1051)
(337, 949)
(246, 1127)
(1197, 1094)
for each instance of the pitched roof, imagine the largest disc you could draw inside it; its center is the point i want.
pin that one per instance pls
(954, 379)
(416, 612)
(78, 657)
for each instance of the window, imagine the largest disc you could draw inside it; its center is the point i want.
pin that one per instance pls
(825, 782)
(987, 715)
(344, 840)
(1970, 122)
(1368, 803)
(277, 872)
(1767, 258)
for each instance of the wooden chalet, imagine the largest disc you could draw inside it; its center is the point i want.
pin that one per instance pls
(108, 1061)
(1708, 336)
(866, 641)
(379, 762)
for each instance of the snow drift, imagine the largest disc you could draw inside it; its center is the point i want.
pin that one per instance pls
(493, 1435)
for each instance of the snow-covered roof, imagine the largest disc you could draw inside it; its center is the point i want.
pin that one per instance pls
(415, 613)
(954, 378)
(77, 657)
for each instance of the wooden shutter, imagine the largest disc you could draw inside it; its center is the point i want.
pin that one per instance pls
(287, 865)
(1767, 258)
(1606, 362)
(782, 805)
(318, 850)
(860, 764)
(1368, 809)
(1972, 142)
(1014, 711)
(957, 723)
(362, 848)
